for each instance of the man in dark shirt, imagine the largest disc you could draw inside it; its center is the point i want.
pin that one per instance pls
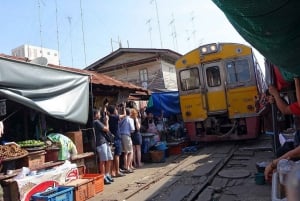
(113, 122)
(102, 146)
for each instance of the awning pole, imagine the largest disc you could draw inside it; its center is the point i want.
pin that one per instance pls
(273, 109)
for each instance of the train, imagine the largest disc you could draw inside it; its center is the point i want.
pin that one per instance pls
(219, 85)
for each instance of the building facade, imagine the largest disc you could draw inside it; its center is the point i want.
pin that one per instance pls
(152, 69)
(31, 52)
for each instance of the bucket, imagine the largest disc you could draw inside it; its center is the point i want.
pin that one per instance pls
(260, 178)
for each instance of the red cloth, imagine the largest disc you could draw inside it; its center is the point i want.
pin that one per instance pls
(295, 109)
(280, 82)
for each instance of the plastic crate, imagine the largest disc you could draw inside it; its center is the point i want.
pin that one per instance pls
(60, 193)
(83, 189)
(98, 181)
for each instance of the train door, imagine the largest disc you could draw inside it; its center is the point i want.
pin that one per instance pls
(215, 90)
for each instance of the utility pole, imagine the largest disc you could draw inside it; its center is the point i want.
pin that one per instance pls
(193, 27)
(173, 32)
(70, 25)
(157, 16)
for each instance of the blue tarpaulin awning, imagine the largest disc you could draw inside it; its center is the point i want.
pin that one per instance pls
(168, 102)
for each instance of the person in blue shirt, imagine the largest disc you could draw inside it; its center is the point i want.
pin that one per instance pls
(126, 126)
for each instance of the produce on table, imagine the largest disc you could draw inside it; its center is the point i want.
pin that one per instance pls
(31, 143)
(11, 151)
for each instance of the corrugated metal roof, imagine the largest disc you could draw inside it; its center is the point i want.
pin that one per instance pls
(96, 78)
(166, 53)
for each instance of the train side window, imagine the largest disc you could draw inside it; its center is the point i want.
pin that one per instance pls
(243, 72)
(231, 76)
(238, 71)
(213, 76)
(189, 79)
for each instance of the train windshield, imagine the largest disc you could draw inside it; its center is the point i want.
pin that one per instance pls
(189, 79)
(238, 71)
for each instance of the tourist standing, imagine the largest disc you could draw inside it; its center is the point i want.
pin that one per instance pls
(114, 119)
(102, 146)
(126, 126)
(136, 139)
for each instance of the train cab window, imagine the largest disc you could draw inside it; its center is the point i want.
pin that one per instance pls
(213, 76)
(238, 71)
(189, 79)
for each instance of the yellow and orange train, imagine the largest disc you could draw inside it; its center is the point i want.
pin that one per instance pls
(218, 86)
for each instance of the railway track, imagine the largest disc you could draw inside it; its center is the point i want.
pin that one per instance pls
(217, 172)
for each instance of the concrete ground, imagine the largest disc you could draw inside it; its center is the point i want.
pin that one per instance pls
(154, 180)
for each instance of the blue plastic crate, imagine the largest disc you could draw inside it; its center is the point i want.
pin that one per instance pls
(61, 193)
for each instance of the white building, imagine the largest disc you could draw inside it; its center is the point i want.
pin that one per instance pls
(32, 52)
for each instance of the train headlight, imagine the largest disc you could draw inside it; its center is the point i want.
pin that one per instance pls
(208, 49)
(213, 48)
(203, 50)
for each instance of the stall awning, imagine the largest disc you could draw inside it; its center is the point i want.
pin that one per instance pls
(168, 102)
(58, 93)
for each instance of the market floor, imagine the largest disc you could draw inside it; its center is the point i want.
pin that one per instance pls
(149, 179)
(125, 187)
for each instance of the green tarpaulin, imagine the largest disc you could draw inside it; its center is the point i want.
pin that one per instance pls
(271, 26)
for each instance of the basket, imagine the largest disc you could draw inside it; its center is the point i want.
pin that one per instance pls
(60, 193)
(98, 181)
(157, 156)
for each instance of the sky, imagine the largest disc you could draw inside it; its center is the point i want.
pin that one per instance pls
(84, 31)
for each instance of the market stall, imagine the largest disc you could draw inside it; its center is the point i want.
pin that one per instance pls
(35, 101)
(164, 113)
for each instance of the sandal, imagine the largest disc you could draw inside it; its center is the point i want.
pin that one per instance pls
(128, 171)
(120, 175)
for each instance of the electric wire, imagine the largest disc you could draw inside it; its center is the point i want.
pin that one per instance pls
(81, 14)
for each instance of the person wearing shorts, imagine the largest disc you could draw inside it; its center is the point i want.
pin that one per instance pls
(126, 126)
(136, 139)
(102, 146)
(114, 119)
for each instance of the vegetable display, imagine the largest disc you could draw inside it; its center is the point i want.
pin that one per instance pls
(31, 143)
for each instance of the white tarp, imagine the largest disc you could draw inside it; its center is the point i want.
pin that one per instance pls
(58, 93)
